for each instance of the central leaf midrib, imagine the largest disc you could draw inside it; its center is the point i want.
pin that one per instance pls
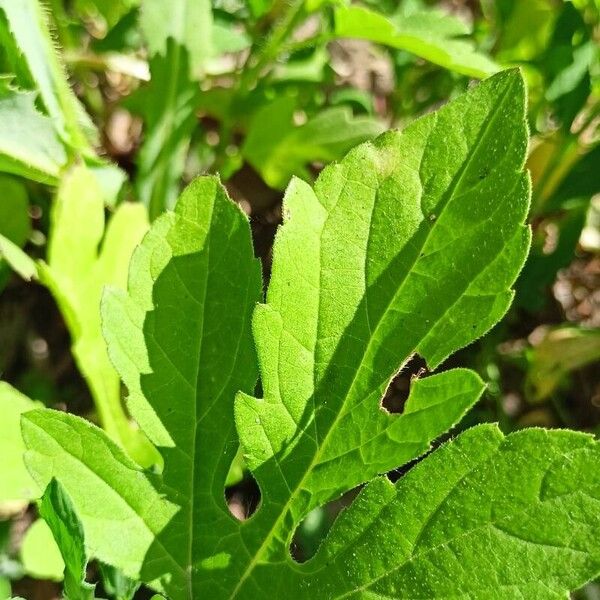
(450, 194)
(192, 529)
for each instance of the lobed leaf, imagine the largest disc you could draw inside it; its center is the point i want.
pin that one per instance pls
(409, 245)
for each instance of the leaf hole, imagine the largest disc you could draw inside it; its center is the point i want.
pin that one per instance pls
(243, 497)
(313, 529)
(397, 392)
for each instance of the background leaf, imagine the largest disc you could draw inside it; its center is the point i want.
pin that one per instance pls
(431, 35)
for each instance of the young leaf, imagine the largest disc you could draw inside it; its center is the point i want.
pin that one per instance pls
(432, 35)
(58, 512)
(76, 273)
(29, 145)
(408, 245)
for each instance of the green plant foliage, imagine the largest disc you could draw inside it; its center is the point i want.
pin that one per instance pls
(167, 106)
(561, 351)
(431, 34)
(58, 512)
(116, 584)
(29, 145)
(179, 38)
(188, 23)
(39, 554)
(277, 149)
(84, 255)
(28, 22)
(338, 322)
(77, 269)
(15, 223)
(16, 484)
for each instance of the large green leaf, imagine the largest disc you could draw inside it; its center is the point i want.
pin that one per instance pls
(182, 332)
(483, 517)
(432, 35)
(409, 245)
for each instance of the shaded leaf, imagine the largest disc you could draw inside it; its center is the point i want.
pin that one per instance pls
(277, 149)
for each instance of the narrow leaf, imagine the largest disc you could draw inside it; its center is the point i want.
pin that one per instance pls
(57, 510)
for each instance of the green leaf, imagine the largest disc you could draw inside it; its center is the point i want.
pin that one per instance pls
(18, 260)
(29, 24)
(168, 108)
(116, 584)
(483, 517)
(16, 484)
(39, 553)
(57, 510)
(194, 283)
(277, 149)
(409, 245)
(560, 351)
(77, 272)
(187, 23)
(360, 283)
(15, 223)
(431, 35)
(29, 145)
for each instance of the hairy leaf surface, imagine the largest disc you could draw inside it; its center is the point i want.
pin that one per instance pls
(29, 145)
(409, 245)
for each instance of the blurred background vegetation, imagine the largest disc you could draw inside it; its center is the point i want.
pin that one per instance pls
(147, 94)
